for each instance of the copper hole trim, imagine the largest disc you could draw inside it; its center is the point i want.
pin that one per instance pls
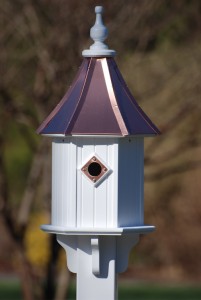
(94, 169)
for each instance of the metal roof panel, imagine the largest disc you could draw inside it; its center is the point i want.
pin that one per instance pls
(98, 103)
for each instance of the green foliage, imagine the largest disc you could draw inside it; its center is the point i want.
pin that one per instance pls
(182, 18)
(154, 292)
(18, 156)
(11, 291)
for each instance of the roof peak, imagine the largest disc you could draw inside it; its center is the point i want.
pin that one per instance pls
(98, 34)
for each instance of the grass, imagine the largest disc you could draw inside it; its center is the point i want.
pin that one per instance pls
(11, 291)
(157, 292)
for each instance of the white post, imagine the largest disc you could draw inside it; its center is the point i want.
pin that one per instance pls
(96, 280)
(97, 260)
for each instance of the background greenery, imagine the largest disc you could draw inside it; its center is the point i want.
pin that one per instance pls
(159, 54)
(12, 291)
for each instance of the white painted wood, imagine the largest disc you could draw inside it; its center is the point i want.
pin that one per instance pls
(100, 205)
(95, 200)
(130, 182)
(87, 196)
(79, 250)
(95, 253)
(72, 207)
(90, 286)
(98, 33)
(124, 244)
(63, 182)
(96, 260)
(143, 229)
(78, 179)
(69, 243)
(112, 184)
(116, 201)
(100, 199)
(59, 173)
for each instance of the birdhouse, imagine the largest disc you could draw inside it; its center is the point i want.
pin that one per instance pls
(97, 133)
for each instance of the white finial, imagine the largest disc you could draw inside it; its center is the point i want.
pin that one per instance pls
(98, 33)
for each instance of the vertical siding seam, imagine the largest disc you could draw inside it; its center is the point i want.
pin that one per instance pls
(136, 192)
(116, 183)
(53, 210)
(106, 204)
(76, 180)
(138, 160)
(78, 184)
(109, 191)
(69, 187)
(79, 178)
(66, 201)
(57, 179)
(94, 191)
(81, 190)
(60, 186)
(55, 184)
(62, 196)
(142, 182)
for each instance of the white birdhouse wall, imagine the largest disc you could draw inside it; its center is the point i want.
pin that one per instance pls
(131, 182)
(112, 199)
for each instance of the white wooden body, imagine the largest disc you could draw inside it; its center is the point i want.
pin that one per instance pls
(116, 201)
(96, 261)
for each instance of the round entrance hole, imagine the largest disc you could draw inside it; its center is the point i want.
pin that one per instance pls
(94, 169)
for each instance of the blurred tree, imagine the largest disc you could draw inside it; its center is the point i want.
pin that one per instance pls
(40, 44)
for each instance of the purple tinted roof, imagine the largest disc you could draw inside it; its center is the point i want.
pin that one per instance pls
(98, 103)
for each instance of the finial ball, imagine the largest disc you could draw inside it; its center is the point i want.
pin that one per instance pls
(98, 9)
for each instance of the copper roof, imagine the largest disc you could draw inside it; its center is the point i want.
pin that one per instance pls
(98, 103)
